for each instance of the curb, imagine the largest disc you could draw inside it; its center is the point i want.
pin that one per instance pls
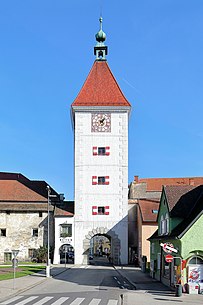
(31, 286)
(127, 279)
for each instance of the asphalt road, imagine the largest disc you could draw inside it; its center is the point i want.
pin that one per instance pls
(85, 285)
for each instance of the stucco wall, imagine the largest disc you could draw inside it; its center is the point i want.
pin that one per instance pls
(192, 240)
(19, 227)
(115, 194)
(147, 231)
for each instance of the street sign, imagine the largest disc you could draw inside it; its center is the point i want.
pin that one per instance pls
(169, 258)
(168, 248)
(15, 253)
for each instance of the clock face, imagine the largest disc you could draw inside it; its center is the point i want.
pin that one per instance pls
(101, 122)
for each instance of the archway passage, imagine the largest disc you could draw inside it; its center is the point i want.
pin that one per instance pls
(107, 236)
(66, 254)
(100, 250)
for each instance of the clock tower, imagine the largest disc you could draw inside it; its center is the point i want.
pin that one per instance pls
(100, 115)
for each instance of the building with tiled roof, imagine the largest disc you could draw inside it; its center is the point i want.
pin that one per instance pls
(144, 198)
(180, 226)
(64, 233)
(23, 215)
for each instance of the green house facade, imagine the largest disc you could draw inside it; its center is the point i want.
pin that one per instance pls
(176, 248)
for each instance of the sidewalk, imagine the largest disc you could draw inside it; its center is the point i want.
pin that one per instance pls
(150, 291)
(9, 288)
(147, 290)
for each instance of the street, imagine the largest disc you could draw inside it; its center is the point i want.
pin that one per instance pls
(92, 285)
(86, 285)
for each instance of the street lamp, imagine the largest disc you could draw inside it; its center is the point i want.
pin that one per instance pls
(48, 239)
(61, 198)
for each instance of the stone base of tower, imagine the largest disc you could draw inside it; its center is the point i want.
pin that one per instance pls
(117, 233)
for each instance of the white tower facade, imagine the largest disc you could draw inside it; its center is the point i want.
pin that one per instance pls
(100, 118)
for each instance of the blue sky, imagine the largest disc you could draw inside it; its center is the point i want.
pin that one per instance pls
(155, 53)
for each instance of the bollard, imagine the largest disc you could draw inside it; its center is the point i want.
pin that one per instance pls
(178, 291)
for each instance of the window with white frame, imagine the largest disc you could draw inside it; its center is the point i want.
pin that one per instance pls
(35, 232)
(66, 230)
(167, 223)
(164, 224)
(7, 256)
(152, 248)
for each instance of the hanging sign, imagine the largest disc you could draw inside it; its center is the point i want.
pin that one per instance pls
(168, 247)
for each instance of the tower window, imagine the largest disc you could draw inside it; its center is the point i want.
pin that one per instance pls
(101, 210)
(100, 54)
(101, 151)
(102, 180)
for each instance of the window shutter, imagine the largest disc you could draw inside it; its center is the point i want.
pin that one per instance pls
(106, 180)
(94, 150)
(94, 180)
(107, 150)
(106, 210)
(94, 210)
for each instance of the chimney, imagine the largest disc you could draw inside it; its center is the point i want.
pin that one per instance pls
(136, 179)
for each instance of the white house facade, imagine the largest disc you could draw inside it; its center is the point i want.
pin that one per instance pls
(64, 233)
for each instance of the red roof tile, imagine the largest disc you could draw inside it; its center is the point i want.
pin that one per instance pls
(155, 184)
(174, 193)
(147, 207)
(12, 190)
(100, 88)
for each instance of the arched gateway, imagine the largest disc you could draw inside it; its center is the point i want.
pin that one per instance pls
(115, 244)
(100, 115)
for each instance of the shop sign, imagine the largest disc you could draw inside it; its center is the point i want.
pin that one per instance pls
(168, 247)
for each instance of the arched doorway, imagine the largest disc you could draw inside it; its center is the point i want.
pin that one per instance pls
(66, 254)
(102, 233)
(100, 250)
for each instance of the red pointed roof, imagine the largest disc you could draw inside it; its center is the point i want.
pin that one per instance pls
(100, 88)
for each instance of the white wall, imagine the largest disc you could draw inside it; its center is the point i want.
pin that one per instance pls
(114, 195)
(59, 241)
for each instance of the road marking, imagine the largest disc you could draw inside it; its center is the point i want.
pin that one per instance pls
(27, 300)
(77, 301)
(60, 301)
(12, 300)
(112, 302)
(44, 300)
(95, 302)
